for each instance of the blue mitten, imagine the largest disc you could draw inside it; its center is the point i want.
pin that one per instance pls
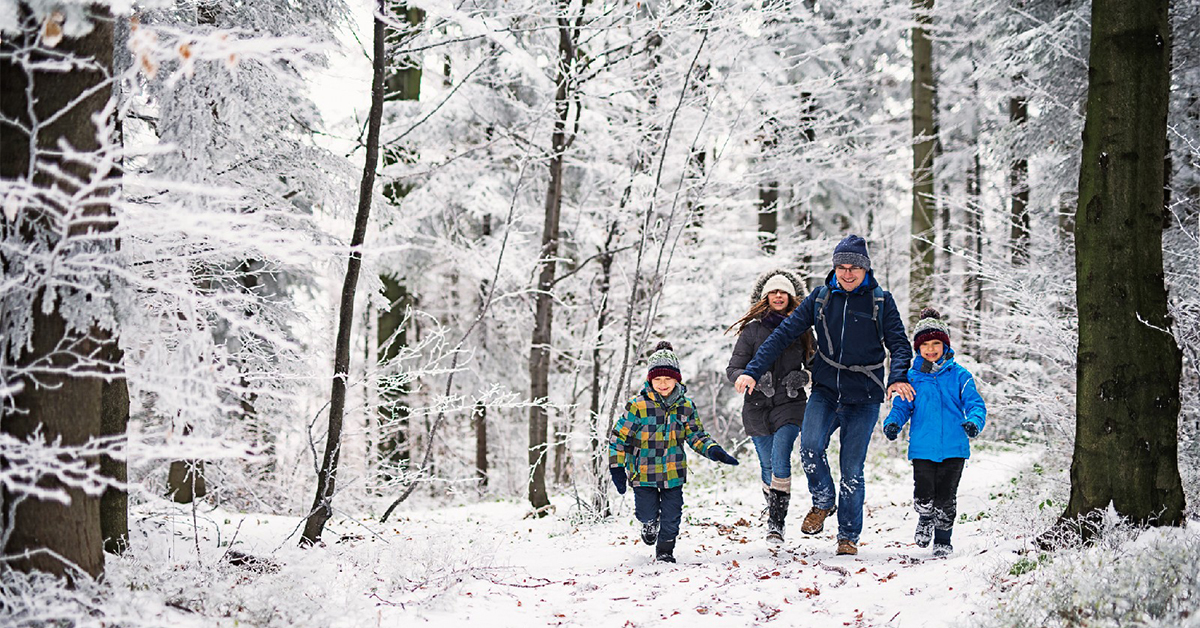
(971, 429)
(619, 478)
(891, 430)
(719, 455)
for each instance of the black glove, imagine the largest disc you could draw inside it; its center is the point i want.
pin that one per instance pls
(766, 384)
(719, 455)
(619, 478)
(794, 382)
(971, 429)
(891, 430)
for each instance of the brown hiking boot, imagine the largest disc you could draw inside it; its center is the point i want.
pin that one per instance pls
(847, 547)
(814, 521)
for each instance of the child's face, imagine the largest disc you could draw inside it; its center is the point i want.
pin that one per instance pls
(932, 350)
(663, 385)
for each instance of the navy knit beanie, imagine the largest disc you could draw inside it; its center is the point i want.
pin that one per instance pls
(852, 250)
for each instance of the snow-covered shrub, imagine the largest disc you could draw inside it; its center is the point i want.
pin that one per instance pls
(1128, 577)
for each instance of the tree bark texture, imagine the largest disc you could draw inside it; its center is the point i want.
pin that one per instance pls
(539, 353)
(114, 421)
(601, 427)
(322, 508)
(47, 535)
(479, 421)
(1128, 362)
(924, 95)
(768, 216)
(402, 83)
(1018, 183)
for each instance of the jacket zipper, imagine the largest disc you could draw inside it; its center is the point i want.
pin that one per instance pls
(842, 345)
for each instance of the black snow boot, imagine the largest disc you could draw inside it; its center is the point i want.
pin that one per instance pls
(664, 552)
(650, 532)
(778, 507)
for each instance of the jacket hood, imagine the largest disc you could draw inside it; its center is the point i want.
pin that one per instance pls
(756, 295)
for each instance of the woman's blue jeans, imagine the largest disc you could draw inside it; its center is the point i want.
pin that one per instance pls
(775, 452)
(856, 421)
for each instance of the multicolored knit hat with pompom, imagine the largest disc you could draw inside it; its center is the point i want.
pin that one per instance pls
(930, 327)
(664, 363)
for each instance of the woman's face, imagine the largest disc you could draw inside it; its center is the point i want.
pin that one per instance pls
(778, 300)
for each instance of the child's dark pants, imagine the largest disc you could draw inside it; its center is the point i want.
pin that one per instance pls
(935, 494)
(663, 504)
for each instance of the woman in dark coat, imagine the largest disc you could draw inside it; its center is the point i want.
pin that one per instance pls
(772, 413)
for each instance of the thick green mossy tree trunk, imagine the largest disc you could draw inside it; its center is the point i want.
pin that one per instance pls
(1128, 361)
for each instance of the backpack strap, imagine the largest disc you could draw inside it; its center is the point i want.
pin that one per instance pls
(877, 301)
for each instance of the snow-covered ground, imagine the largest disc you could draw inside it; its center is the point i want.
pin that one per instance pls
(486, 564)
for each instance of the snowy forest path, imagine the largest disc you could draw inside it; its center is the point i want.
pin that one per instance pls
(551, 572)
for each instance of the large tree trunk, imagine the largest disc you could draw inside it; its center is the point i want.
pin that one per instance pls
(1128, 362)
(539, 353)
(924, 91)
(322, 508)
(1018, 175)
(47, 535)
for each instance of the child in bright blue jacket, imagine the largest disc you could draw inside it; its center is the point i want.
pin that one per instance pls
(946, 411)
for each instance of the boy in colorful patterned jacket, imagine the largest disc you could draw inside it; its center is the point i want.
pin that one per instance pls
(649, 439)
(946, 411)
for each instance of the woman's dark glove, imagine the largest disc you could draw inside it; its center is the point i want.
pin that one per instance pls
(891, 430)
(766, 384)
(619, 478)
(971, 429)
(794, 382)
(719, 455)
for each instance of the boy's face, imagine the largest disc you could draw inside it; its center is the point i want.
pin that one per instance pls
(663, 385)
(932, 350)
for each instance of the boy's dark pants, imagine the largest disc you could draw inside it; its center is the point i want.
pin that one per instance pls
(663, 504)
(935, 494)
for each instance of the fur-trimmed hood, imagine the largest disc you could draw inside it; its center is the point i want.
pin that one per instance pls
(756, 295)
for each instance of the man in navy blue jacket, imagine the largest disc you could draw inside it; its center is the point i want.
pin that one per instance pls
(857, 326)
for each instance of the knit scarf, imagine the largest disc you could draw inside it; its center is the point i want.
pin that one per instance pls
(773, 319)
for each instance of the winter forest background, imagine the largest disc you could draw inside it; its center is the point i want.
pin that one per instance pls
(559, 185)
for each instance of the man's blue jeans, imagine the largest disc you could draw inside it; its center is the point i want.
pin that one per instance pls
(857, 422)
(775, 452)
(663, 504)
